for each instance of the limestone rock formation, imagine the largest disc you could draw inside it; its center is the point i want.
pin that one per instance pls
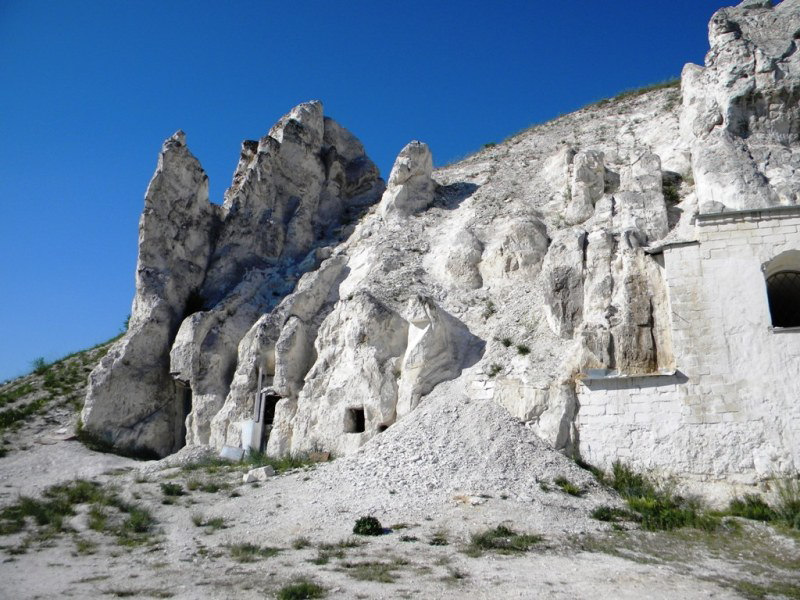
(207, 273)
(741, 114)
(557, 274)
(410, 186)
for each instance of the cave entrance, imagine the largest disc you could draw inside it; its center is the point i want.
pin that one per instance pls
(265, 418)
(183, 406)
(354, 420)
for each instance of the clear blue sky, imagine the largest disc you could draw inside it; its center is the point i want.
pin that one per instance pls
(91, 89)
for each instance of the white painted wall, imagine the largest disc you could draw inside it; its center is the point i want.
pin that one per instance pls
(732, 411)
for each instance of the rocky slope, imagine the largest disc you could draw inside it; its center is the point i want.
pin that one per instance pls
(529, 263)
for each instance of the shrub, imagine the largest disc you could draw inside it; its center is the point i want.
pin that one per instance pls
(752, 507)
(523, 349)
(367, 526)
(302, 589)
(494, 369)
(506, 342)
(172, 489)
(39, 365)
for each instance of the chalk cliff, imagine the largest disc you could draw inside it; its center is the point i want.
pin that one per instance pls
(315, 308)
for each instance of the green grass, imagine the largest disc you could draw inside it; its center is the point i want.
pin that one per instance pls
(374, 570)
(301, 589)
(246, 553)
(674, 82)
(501, 539)
(787, 507)
(172, 489)
(16, 393)
(566, 486)
(752, 507)
(611, 514)
(657, 507)
(108, 513)
(11, 415)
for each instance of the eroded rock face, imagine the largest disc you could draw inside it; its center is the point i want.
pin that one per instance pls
(410, 187)
(741, 112)
(131, 400)
(206, 274)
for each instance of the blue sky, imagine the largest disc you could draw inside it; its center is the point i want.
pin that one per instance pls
(91, 89)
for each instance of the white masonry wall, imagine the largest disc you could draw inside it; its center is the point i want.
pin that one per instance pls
(732, 410)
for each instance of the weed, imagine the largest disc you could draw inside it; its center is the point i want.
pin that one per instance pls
(16, 393)
(438, 538)
(245, 553)
(300, 543)
(172, 489)
(259, 459)
(39, 365)
(568, 487)
(84, 546)
(494, 369)
(752, 507)
(381, 572)
(367, 526)
(523, 349)
(301, 589)
(489, 309)
(506, 342)
(212, 524)
(658, 507)
(612, 514)
(787, 506)
(409, 538)
(501, 539)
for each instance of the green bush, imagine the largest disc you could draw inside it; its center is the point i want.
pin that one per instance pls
(172, 489)
(39, 365)
(367, 526)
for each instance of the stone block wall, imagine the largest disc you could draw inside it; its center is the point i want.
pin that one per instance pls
(731, 411)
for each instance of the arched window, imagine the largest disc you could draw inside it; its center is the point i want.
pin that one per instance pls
(783, 289)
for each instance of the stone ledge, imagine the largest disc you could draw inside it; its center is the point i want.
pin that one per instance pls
(757, 214)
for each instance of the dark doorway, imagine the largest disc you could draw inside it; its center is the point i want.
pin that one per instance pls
(183, 402)
(354, 421)
(268, 404)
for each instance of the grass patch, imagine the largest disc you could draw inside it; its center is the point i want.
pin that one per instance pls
(16, 393)
(172, 489)
(212, 524)
(300, 543)
(108, 513)
(301, 589)
(751, 506)
(523, 349)
(494, 369)
(675, 82)
(787, 508)
(612, 514)
(658, 507)
(11, 415)
(438, 538)
(246, 553)
(374, 570)
(566, 486)
(501, 539)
